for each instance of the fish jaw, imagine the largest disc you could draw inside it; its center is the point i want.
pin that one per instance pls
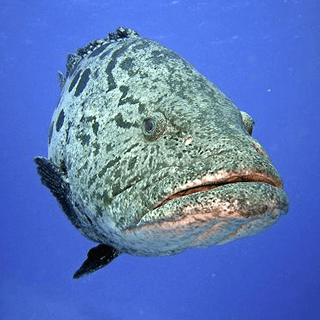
(211, 181)
(215, 216)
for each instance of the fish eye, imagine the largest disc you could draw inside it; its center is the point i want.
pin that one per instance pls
(149, 126)
(154, 126)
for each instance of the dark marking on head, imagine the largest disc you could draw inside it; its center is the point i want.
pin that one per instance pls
(83, 82)
(60, 120)
(111, 82)
(129, 100)
(50, 132)
(160, 57)
(131, 147)
(151, 162)
(122, 123)
(110, 164)
(94, 123)
(105, 53)
(63, 167)
(96, 74)
(67, 133)
(88, 219)
(124, 99)
(96, 147)
(109, 147)
(142, 108)
(124, 90)
(95, 127)
(127, 64)
(98, 50)
(106, 198)
(84, 138)
(113, 61)
(99, 211)
(91, 180)
(143, 44)
(116, 189)
(74, 81)
(132, 163)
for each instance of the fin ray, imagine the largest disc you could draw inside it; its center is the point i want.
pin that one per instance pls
(52, 178)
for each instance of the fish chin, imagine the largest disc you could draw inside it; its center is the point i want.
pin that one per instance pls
(212, 217)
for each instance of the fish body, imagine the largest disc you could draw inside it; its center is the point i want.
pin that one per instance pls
(147, 157)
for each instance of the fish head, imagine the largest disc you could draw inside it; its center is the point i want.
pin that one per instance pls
(170, 162)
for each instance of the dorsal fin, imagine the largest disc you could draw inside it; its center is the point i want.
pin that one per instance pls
(74, 59)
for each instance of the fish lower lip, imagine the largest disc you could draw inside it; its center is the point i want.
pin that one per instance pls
(211, 182)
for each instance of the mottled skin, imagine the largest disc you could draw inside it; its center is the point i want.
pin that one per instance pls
(136, 123)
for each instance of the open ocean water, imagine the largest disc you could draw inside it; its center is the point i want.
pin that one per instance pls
(265, 55)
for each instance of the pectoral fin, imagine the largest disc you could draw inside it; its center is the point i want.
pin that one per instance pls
(52, 178)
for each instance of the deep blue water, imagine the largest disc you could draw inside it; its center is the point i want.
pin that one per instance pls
(265, 55)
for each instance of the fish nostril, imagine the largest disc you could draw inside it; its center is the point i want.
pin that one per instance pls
(187, 140)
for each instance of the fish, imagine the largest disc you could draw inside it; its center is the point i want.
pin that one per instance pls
(147, 157)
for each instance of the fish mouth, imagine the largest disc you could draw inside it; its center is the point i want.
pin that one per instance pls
(213, 209)
(220, 179)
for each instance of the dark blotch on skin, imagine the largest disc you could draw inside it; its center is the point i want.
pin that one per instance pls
(84, 138)
(98, 50)
(74, 81)
(124, 90)
(113, 61)
(63, 168)
(96, 74)
(67, 132)
(158, 57)
(132, 147)
(96, 147)
(99, 211)
(112, 162)
(60, 120)
(142, 108)
(124, 99)
(106, 199)
(127, 64)
(105, 53)
(95, 127)
(109, 147)
(121, 123)
(50, 132)
(143, 44)
(89, 220)
(111, 83)
(82, 82)
(132, 163)
(107, 166)
(92, 180)
(95, 124)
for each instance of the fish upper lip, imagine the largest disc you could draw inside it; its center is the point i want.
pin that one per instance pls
(212, 181)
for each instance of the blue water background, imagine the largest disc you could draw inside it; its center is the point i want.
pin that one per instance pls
(265, 55)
